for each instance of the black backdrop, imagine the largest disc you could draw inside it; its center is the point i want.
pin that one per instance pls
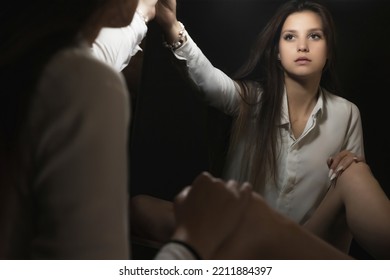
(175, 136)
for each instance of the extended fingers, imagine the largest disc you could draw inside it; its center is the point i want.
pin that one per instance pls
(338, 163)
(182, 195)
(241, 191)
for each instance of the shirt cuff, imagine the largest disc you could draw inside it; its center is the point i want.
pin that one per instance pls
(174, 251)
(186, 50)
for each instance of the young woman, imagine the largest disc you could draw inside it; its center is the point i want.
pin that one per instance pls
(292, 134)
(207, 214)
(63, 164)
(288, 120)
(64, 119)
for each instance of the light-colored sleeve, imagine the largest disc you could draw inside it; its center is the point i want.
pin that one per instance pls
(80, 123)
(219, 89)
(116, 46)
(354, 137)
(344, 121)
(174, 251)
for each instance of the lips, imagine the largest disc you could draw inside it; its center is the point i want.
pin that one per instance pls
(302, 59)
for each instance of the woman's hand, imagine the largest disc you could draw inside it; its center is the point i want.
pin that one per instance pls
(207, 212)
(166, 18)
(340, 162)
(166, 13)
(147, 9)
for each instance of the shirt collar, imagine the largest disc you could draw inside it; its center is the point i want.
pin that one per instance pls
(317, 110)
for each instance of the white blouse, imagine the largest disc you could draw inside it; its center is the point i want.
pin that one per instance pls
(79, 121)
(116, 46)
(302, 178)
(302, 181)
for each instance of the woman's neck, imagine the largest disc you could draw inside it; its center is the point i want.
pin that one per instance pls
(301, 97)
(302, 93)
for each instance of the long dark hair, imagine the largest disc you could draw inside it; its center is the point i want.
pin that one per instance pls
(261, 150)
(31, 33)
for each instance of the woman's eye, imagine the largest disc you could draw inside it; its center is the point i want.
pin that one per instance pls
(315, 36)
(288, 37)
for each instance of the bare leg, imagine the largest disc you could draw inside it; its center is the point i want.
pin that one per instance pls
(152, 219)
(367, 209)
(358, 199)
(329, 221)
(266, 234)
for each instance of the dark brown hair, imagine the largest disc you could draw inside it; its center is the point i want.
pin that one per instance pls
(31, 33)
(261, 150)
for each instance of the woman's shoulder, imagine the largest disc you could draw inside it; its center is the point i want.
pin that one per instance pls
(337, 102)
(78, 63)
(75, 74)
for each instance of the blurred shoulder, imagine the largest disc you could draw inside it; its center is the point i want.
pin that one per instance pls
(76, 73)
(80, 63)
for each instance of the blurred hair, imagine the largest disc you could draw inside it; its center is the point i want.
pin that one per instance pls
(31, 33)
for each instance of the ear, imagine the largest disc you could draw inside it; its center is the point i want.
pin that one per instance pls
(278, 56)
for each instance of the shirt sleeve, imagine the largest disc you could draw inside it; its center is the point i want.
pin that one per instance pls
(116, 46)
(354, 137)
(218, 88)
(174, 251)
(80, 129)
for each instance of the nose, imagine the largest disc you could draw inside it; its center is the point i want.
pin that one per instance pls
(303, 47)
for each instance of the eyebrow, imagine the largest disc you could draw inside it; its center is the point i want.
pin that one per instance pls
(310, 30)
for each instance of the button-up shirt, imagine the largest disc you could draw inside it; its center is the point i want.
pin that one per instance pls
(302, 173)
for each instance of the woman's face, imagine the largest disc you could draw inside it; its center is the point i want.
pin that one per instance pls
(302, 45)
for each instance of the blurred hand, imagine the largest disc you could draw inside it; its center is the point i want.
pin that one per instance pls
(166, 14)
(207, 212)
(147, 8)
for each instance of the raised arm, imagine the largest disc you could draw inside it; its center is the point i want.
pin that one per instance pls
(219, 90)
(116, 46)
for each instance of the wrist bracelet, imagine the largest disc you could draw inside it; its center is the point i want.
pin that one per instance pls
(188, 247)
(141, 14)
(181, 39)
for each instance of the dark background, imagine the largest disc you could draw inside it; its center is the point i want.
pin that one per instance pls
(175, 135)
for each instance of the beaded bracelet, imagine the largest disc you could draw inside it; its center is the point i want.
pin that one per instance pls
(141, 14)
(181, 39)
